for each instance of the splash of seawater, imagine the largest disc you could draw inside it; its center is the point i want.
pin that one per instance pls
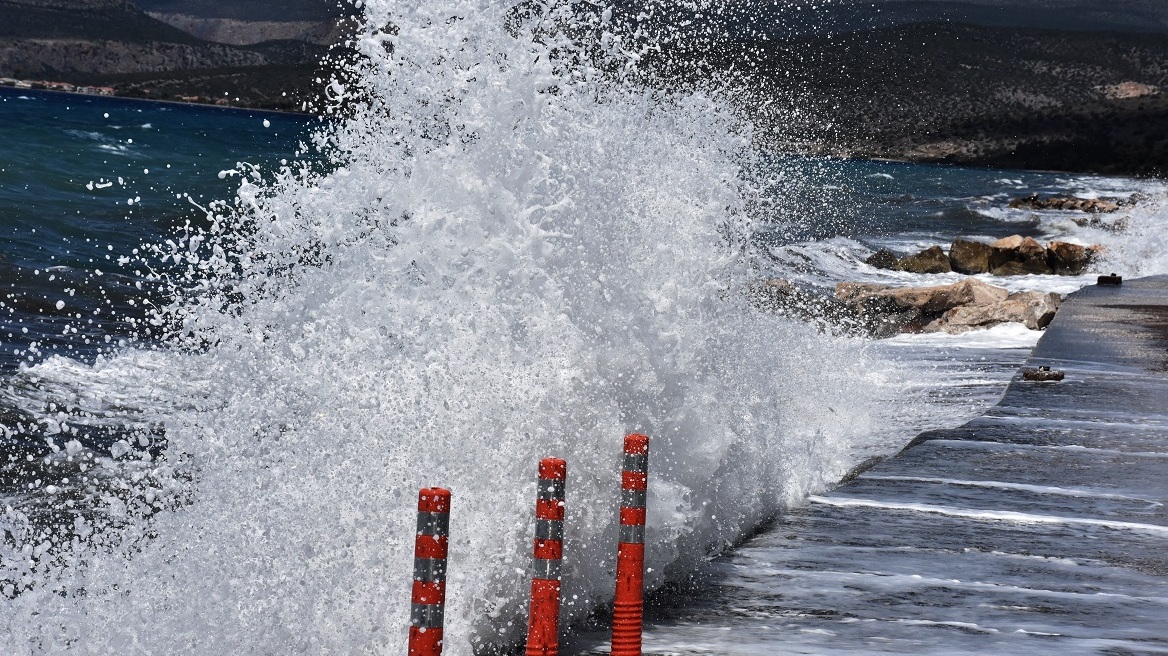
(514, 254)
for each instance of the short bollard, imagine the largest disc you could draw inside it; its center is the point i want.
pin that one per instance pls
(429, 593)
(630, 555)
(543, 626)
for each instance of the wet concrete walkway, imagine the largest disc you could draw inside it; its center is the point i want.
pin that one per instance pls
(1040, 527)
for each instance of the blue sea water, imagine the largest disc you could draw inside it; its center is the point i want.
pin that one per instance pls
(86, 183)
(438, 313)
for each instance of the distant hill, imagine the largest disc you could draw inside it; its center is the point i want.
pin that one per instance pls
(793, 18)
(84, 19)
(1077, 85)
(1079, 15)
(253, 10)
(115, 43)
(1023, 97)
(237, 32)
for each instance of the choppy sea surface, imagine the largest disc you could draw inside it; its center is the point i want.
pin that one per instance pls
(233, 345)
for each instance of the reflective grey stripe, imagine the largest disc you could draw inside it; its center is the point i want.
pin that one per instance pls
(633, 534)
(551, 489)
(432, 523)
(632, 498)
(542, 568)
(637, 462)
(426, 616)
(430, 569)
(549, 529)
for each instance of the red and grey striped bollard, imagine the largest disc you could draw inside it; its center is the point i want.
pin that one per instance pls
(543, 626)
(429, 593)
(630, 555)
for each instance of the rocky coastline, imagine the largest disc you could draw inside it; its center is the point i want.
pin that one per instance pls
(880, 310)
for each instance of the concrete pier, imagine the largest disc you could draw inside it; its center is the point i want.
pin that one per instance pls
(1039, 527)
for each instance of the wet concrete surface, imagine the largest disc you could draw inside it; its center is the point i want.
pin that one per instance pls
(1040, 527)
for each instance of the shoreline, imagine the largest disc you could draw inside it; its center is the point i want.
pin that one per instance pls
(777, 150)
(986, 163)
(180, 103)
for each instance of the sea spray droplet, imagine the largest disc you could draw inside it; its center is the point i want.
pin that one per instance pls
(267, 123)
(60, 305)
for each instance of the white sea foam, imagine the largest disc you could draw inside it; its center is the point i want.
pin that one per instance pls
(1019, 487)
(987, 515)
(1073, 448)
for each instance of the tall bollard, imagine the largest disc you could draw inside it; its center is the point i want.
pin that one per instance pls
(543, 626)
(429, 593)
(630, 555)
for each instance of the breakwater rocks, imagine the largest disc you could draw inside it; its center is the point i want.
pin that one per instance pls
(1092, 205)
(1010, 256)
(882, 311)
(963, 306)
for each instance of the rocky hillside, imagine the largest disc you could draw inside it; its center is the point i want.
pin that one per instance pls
(313, 11)
(1051, 99)
(245, 33)
(114, 43)
(322, 22)
(1021, 84)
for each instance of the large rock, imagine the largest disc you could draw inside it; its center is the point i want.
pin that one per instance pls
(883, 259)
(1068, 259)
(785, 297)
(969, 257)
(980, 293)
(1017, 255)
(1029, 267)
(930, 260)
(850, 291)
(1034, 309)
(872, 317)
(928, 300)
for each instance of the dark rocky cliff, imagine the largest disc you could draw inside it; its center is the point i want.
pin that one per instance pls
(949, 92)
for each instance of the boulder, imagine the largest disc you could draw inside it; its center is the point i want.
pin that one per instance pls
(1013, 242)
(1117, 225)
(1034, 267)
(883, 326)
(1093, 205)
(1068, 259)
(875, 312)
(930, 260)
(928, 300)
(980, 293)
(1034, 309)
(826, 313)
(1040, 307)
(882, 259)
(1017, 247)
(1017, 255)
(969, 257)
(1031, 249)
(850, 291)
